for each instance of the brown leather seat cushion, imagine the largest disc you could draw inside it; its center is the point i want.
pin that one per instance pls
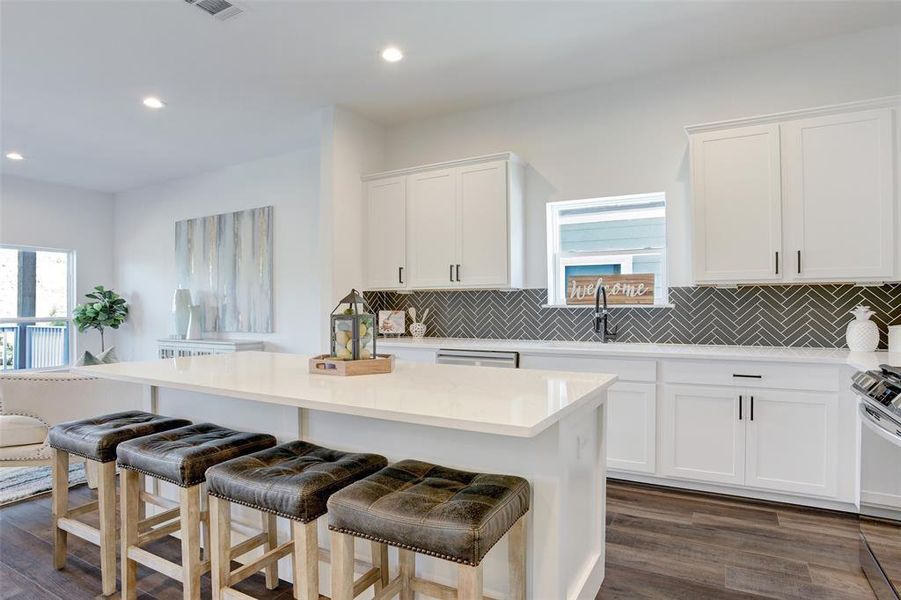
(97, 438)
(293, 480)
(455, 515)
(182, 456)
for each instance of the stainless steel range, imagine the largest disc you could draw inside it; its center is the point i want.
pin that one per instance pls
(880, 411)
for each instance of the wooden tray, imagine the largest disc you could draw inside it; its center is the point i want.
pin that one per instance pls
(326, 365)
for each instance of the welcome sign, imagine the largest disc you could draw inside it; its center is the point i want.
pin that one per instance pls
(621, 289)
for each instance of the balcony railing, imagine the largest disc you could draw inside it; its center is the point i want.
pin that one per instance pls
(45, 346)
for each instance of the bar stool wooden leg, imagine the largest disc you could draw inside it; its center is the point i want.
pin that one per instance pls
(516, 552)
(380, 562)
(470, 583)
(342, 566)
(205, 522)
(270, 528)
(220, 540)
(190, 541)
(60, 467)
(106, 496)
(129, 506)
(306, 560)
(407, 563)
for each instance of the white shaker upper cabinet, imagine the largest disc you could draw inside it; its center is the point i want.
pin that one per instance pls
(386, 241)
(838, 197)
(483, 216)
(464, 226)
(432, 228)
(737, 205)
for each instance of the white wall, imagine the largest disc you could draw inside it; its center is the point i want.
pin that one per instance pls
(145, 246)
(34, 213)
(350, 147)
(628, 137)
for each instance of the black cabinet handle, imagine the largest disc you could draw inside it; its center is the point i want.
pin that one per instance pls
(747, 376)
(799, 261)
(458, 272)
(752, 408)
(777, 262)
(739, 407)
(452, 273)
(400, 275)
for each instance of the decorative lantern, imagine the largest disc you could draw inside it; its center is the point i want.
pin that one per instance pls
(352, 329)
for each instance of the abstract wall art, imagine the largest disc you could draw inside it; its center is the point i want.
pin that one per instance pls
(226, 262)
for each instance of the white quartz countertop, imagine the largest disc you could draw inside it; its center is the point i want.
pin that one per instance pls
(509, 402)
(858, 360)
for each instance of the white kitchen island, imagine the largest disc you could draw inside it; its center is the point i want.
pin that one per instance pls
(546, 426)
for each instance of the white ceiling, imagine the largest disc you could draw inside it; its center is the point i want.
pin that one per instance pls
(74, 71)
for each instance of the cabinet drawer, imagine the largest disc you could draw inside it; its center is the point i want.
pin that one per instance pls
(752, 374)
(625, 369)
(410, 355)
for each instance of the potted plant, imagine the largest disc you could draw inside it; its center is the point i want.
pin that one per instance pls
(106, 308)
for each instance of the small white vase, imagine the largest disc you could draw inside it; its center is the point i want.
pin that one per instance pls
(181, 312)
(195, 322)
(417, 330)
(862, 334)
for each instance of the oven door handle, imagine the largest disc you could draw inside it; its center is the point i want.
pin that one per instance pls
(867, 420)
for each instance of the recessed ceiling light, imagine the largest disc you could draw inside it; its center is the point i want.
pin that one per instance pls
(392, 54)
(14, 156)
(153, 102)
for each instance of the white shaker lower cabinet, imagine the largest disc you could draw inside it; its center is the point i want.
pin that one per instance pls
(632, 429)
(792, 441)
(702, 434)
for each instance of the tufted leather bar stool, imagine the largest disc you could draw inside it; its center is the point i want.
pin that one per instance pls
(294, 481)
(95, 440)
(428, 509)
(179, 456)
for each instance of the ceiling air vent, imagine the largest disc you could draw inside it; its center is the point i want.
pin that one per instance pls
(221, 9)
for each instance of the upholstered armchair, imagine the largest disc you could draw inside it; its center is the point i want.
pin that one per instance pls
(31, 403)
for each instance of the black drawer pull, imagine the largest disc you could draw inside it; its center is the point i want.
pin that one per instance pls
(739, 408)
(747, 376)
(752, 408)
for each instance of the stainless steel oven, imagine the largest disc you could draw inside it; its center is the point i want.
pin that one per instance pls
(879, 393)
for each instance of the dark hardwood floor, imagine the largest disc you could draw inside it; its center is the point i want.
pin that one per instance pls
(660, 544)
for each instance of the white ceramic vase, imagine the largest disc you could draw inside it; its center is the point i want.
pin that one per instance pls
(181, 312)
(417, 330)
(195, 322)
(862, 334)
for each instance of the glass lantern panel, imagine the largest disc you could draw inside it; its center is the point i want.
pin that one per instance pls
(342, 338)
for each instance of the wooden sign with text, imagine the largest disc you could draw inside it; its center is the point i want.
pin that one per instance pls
(621, 289)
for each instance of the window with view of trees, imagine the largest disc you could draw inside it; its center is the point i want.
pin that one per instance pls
(36, 288)
(622, 235)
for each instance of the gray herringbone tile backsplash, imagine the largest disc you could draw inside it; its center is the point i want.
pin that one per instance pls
(801, 315)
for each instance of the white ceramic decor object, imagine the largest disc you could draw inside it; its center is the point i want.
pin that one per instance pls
(181, 312)
(417, 330)
(862, 334)
(894, 339)
(195, 322)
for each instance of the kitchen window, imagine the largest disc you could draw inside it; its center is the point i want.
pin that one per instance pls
(620, 235)
(36, 291)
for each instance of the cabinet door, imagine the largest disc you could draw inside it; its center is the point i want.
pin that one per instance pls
(386, 240)
(483, 225)
(792, 441)
(840, 214)
(632, 427)
(432, 228)
(737, 205)
(703, 435)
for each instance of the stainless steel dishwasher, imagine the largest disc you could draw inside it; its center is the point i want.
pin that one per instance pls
(478, 358)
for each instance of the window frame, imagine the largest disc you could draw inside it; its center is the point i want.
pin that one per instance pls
(557, 261)
(70, 306)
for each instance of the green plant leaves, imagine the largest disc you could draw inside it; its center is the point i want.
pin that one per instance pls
(107, 309)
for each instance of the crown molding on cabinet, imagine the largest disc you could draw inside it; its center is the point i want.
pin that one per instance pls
(444, 165)
(884, 102)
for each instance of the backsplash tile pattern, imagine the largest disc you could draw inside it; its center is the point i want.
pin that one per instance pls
(800, 315)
